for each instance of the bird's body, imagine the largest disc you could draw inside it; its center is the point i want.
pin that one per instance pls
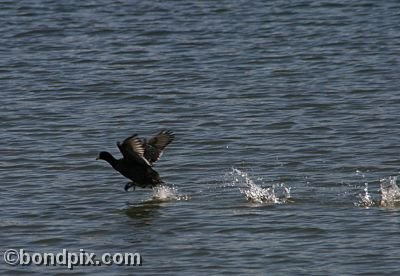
(138, 157)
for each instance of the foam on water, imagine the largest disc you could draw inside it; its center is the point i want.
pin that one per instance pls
(276, 194)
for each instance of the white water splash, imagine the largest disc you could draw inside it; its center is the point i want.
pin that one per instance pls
(360, 173)
(390, 192)
(166, 193)
(276, 194)
(365, 198)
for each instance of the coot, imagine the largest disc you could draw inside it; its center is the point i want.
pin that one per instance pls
(138, 158)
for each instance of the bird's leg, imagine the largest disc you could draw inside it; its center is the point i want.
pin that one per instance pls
(129, 185)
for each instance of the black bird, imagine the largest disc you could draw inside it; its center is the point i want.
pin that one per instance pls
(138, 158)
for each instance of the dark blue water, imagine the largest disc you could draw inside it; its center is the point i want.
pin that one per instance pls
(298, 100)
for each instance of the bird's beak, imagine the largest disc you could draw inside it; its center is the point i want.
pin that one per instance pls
(98, 157)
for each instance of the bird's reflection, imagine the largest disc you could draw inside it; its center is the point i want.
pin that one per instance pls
(143, 213)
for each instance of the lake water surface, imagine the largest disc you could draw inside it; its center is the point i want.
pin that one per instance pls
(287, 124)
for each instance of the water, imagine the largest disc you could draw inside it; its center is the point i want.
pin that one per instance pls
(286, 117)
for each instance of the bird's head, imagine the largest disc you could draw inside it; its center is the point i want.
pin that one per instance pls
(103, 155)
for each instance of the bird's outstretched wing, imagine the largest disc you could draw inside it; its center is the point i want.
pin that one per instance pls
(133, 150)
(154, 148)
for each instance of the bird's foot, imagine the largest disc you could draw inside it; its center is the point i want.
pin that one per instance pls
(129, 185)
